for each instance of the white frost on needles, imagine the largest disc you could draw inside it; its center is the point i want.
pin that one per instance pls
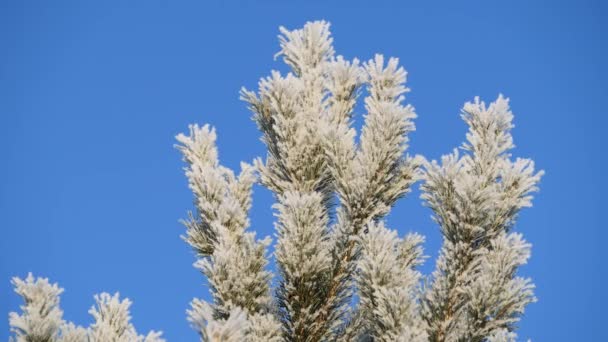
(341, 274)
(42, 319)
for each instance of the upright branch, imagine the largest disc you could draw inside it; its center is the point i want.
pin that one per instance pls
(476, 197)
(231, 258)
(305, 118)
(388, 286)
(304, 259)
(41, 318)
(113, 321)
(291, 112)
(371, 177)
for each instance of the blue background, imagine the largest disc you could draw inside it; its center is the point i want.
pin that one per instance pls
(92, 95)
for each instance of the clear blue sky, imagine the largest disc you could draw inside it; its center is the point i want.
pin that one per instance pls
(93, 93)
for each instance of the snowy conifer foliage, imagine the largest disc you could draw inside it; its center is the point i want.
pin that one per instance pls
(341, 273)
(41, 319)
(475, 292)
(332, 193)
(328, 252)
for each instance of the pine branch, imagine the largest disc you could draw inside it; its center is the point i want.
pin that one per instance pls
(231, 258)
(476, 199)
